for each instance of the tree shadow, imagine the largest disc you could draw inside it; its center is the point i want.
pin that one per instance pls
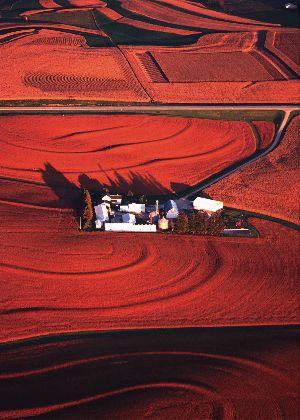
(137, 183)
(67, 192)
(70, 195)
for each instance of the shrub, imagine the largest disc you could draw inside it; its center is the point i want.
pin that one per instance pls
(182, 224)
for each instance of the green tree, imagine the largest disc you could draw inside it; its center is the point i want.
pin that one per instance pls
(87, 210)
(182, 223)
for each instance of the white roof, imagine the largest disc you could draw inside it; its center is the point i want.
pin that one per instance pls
(136, 208)
(128, 218)
(171, 209)
(128, 227)
(206, 204)
(101, 213)
(106, 198)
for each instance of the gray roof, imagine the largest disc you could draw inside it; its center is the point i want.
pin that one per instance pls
(170, 204)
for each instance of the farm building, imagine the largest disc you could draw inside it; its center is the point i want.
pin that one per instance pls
(171, 209)
(129, 227)
(205, 204)
(101, 215)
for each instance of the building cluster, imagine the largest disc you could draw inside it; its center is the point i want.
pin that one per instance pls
(114, 215)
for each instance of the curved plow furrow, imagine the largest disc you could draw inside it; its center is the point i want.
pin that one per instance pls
(61, 280)
(194, 374)
(122, 151)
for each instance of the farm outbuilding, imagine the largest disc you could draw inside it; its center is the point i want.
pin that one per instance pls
(171, 209)
(208, 205)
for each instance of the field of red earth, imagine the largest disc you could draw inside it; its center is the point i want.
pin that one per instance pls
(150, 51)
(145, 326)
(191, 374)
(152, 154)
(270, 185)
(57, 279)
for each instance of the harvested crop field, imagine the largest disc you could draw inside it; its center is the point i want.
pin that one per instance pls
(148, 154)
(219, 67)
(79, 72)
(270, 185)
(125, 51)
(246, 373)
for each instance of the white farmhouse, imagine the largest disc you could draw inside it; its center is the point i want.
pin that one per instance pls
(208, 205)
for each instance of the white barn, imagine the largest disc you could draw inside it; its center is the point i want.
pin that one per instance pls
(208, 205)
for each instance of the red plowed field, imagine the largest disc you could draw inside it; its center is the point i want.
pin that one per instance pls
(202, 374)
(270, 185)
(266, 131)
(56, 279)
(286, 46)
(149, 154)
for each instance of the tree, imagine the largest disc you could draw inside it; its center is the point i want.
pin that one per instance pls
(143, 199)
(201, 221)
(182, 223)
(215, 224)
(192, 223)
(87, 210)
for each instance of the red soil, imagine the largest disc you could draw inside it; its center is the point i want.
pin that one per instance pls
(149, 154)
(266, 131)
(286, 46)
(56, 279)
(267, 185)
(243, 374)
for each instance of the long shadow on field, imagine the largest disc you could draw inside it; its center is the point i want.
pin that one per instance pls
(68, 193)
(138, 184)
